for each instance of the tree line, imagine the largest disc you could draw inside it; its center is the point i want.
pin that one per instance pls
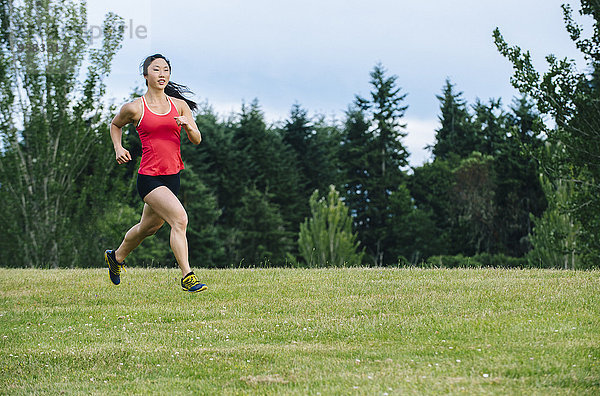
(502, 188)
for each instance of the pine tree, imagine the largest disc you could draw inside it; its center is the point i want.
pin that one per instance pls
(490, 123)
(266, 170)
(206, 237)
(386, 158)
(297, 134)
(431, 186)
(413, 230)
(314, 146)
(456, 136)
(218, 162)
(324, 154)
(260, 235)
(354, 152)
(326, 238)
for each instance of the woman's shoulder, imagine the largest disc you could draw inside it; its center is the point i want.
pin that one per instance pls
(132, 108)
(180, 104)
(135, 104)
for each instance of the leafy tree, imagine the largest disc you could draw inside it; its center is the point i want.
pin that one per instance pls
(56, 151)
(326, 238)
(572, 98)
(518, 189)
(475, 209)
(509, 138)
(554, 237)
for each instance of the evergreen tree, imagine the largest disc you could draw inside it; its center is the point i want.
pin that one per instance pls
(314, 145)
(298, 134)
(528, 125)
(386, 158)
(431, 186)
(206, 238)
(413, 230)
(456, 136)
(218, 162)
(266, 166)
(507, 137)
(261, 238)
(324, 154)
(354, 153)
(326, 238)
(490, 123)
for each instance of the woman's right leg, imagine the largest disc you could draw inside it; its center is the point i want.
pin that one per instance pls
(148, 225)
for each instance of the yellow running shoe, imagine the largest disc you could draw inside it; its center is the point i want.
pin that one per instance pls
(191, 283)
(114, 267)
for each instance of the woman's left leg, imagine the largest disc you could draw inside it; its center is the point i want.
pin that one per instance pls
(148, 225)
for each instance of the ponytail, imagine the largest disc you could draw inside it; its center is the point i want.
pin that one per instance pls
(172, 89)
(177, 90)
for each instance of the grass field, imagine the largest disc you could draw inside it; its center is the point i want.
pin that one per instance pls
(298, 331)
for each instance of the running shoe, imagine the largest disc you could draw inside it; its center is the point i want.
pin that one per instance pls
(114, 267)
(190, 283)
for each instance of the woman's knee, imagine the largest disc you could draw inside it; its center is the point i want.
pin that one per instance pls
(180, 221)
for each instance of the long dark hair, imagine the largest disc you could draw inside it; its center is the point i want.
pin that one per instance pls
(172, 89)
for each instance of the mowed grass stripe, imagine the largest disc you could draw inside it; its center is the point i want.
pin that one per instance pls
(301, 331)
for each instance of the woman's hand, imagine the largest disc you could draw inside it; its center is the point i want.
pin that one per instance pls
(122, 155)
(187, 122)
(130, 112)
(182, 121)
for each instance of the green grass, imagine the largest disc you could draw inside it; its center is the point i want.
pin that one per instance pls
(294, 331)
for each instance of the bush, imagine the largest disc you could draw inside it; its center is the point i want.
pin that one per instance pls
(477, 261)
(458, 261)
(501, 261)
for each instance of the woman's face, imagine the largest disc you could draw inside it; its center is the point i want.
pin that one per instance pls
(158, 74)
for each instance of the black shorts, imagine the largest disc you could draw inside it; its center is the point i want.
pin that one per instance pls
(146, 183)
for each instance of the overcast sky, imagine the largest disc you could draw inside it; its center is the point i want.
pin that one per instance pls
(319, 53)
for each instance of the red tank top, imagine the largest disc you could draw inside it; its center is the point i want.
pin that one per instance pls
(161, 144)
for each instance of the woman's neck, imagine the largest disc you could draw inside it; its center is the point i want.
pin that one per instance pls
(155, 95)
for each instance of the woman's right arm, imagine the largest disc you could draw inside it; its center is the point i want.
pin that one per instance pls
(125, 116)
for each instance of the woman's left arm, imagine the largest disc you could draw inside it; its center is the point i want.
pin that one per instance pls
(186, 120)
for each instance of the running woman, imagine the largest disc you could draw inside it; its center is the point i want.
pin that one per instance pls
(159, 116)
